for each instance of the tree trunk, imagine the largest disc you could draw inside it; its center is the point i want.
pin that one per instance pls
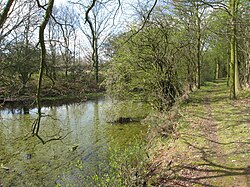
(237, 79)
(232, 68)
(96, 56)
(94, 39)
(42, 65)
(228, 66)
(6, 10)
(217, 70)
(198, 54)
(234, 77)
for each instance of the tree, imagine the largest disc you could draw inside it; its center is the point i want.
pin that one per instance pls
(22, 60)
(243, 24)
(217, 55)
(192, 15)
(18, 52)
(147, 67)
(234, 71)
(67, 21)
(100, 26)
(54, 37)
(36, 125)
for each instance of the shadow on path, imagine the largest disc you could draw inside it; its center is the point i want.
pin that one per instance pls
(214, 150)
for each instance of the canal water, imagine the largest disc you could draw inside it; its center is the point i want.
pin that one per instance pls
(82, 149)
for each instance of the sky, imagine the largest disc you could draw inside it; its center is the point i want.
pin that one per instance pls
(123, 20)
(80, 36)
(58, 2)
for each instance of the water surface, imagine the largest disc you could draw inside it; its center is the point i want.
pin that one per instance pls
(84, 154)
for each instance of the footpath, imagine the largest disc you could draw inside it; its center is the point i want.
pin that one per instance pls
(211, 146)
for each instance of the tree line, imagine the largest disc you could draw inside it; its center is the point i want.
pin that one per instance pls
(181, 46)
(170, 47)
(73, 37)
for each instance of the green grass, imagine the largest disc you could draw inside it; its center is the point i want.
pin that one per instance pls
(213, 139)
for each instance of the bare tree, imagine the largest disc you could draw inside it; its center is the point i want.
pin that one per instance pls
(54, 37)
(68, 19)
(98, 25)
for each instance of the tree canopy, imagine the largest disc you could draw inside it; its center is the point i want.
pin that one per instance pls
(154, 51)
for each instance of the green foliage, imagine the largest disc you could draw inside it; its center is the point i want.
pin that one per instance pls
(163, 60)
(129, 167)
(147, 67)
(126, 166)
(21, 60)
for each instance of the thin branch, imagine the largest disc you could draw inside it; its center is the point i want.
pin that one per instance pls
(89, 9)
(144, 22)
(60, 138)
(41, 6)
(116, 11)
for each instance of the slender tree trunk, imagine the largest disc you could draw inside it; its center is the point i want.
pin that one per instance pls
(189, 78)
(198, 54)
(237, 79)
(42, 65)
(228, 66)
(232, 69)
(198, 64)
(234, 78)
(217, 70)
(26, 35)
(96, 60)
(94, 39)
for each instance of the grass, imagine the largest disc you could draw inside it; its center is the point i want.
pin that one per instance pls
(212, 146)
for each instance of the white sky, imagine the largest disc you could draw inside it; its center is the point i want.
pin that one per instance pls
(58, 2)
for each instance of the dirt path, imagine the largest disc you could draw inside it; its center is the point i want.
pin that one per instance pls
(213, 145)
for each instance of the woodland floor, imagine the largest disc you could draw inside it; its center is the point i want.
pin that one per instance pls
(211, 146)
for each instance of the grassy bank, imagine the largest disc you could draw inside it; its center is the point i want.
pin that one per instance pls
(209, 144)
(29, 101)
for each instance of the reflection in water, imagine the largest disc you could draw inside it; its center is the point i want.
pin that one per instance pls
(82, 154)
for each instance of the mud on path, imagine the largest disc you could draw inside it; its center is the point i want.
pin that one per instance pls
(212, 147)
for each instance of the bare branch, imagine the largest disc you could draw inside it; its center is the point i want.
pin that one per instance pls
(144, 22)
(60, 138)
(41, 6)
